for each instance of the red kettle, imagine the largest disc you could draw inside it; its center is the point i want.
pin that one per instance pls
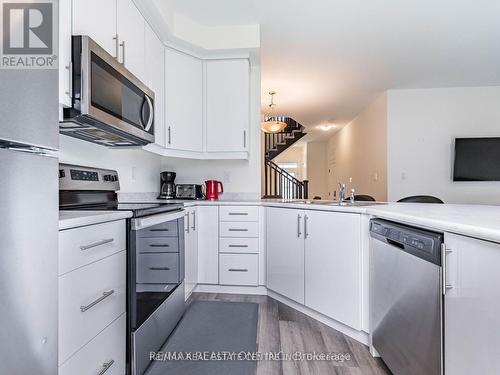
(212, 189)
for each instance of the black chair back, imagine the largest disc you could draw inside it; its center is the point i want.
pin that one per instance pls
(420, 199)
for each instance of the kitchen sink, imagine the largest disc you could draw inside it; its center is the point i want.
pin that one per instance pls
(341, 204)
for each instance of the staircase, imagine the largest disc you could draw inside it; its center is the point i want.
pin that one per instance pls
(278, 183)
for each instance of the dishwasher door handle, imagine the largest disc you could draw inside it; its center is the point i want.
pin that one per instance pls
(444, 268)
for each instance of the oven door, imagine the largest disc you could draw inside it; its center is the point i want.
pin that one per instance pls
(109, 93)
(155, 284)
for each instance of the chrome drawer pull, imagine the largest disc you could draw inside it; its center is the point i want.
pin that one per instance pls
(159, 268)
(100, 299)
(237, 230)
(238, 213)
(105, 367)
(159, 245)
(95, 244)
(238, 270)
(238, 245)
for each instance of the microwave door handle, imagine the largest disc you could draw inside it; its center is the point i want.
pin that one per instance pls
(151, 114)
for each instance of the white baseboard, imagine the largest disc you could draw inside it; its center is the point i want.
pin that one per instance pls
(210, 288)
(360, 336)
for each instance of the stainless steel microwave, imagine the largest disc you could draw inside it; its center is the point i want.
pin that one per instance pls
(110, 106)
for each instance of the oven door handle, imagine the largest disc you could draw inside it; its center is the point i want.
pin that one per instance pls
(149, 221)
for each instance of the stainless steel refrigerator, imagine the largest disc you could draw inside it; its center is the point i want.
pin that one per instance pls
(29, 222)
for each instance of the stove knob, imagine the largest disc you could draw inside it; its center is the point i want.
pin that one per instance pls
(107, 177)
(61, 173)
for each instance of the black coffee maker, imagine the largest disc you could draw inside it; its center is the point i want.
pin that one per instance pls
(167, 186)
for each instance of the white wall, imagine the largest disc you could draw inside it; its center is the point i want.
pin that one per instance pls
(358, 152)
(238, 176)
(422, 125)
(138, 170)
(317, 169)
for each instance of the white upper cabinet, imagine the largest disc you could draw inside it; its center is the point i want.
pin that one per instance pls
(227, 100)
(65, 53)
(154, 78)
(184, 101)
(285, 252)
(332, 265)
(97, 19)
(130, 26)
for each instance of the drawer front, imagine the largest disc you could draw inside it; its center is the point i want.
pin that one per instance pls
(239, 213)
(158, 245)
(239, 229)
(90, 298)
(106, 350)
(81, 246)
(238, 269)
(161, 268)
(239, 245)
(168, 229)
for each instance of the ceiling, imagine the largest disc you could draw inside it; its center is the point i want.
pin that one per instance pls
(328, 59)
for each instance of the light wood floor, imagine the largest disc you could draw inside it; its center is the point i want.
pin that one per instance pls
(282, 328)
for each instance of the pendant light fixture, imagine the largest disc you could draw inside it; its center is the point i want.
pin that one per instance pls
(272, 124)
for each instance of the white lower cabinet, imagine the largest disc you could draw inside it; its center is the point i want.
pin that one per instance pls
(285, 252)
(471, 305)
(238, 269)
(333, 265)
(105, 351)
(191, 249)
(208, 244)
(314, 258)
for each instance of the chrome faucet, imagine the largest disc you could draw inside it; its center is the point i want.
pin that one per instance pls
(341, 192)
(352, 196)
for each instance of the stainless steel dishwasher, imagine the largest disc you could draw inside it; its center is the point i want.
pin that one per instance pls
(406, 299)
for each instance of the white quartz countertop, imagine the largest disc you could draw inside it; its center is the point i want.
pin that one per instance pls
(73, 219)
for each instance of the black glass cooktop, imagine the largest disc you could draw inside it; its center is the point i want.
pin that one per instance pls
(138, 209)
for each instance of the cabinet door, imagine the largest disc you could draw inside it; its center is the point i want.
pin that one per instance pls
(65, 53)
(130, 26)
(184, 101)
(285, 252)
(333, 265)
(97, 19)
(471, 306)
(227, 105)
(191, 263)
(208, 244)
(155, 79)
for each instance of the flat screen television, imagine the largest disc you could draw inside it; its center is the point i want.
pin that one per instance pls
(477, 159)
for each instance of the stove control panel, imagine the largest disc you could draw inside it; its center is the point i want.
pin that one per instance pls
(75, 177)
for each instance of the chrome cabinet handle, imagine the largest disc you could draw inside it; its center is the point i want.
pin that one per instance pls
(115, 38)
(151, 114)
(299, 233)
(122, 44)
(444, 253)
(306, 234)
(95, 244)
(238, 246)
(194, 220)
(238, 270)
(237, 230)
(169, 135)
(70, 82)
(105, 367)
(100, 299)
(159, 268)
(188, 224)
(244, 138)
(238, 213)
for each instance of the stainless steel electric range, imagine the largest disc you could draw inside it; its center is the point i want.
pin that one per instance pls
(155, 257)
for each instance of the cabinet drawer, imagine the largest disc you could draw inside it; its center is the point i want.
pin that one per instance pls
(85, 245)
(239, 213)
(167, 229)
(239, 245)
(239, 229)
(90, 298)
(107, 349)
(238, 269)
(161, 268)
(158, 245)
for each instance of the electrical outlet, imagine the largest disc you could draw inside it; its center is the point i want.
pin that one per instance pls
(403, 176)
(134, 173)
(226, 177)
